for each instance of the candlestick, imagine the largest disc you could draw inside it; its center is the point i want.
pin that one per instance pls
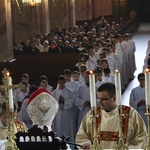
(95, 145)
(147, 86)
(120, 144)
(92, 89)
(7, 85)
(118, 87)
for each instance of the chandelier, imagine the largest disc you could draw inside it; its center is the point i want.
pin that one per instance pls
(31, 3)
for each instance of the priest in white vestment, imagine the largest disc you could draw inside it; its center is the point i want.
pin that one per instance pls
(107, 123)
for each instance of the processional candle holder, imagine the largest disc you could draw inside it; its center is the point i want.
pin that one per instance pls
(147, 147)
(120, 144)
(95, 145)
(147, 97)
(10, 144)
(120, 115)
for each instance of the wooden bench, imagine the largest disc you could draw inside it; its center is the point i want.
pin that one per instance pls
(51, 65)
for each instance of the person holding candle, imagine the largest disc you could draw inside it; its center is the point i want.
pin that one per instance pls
(107, 123)
(137, 97)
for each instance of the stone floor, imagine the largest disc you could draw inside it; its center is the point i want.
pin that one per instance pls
(140, 38)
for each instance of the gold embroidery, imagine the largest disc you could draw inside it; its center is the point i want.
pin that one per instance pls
(113, 136)
(19, 126)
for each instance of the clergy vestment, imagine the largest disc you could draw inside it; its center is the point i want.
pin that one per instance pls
(18, 126)
(138, 94)
(91, 63)
(112, 64)
(83, 94)
(23, 114)
(134, 129)
(72, 85)
(64, 122)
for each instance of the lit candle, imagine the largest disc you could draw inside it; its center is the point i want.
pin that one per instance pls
(11, 103)
(118, 87)
(92, 89)
(147, 86)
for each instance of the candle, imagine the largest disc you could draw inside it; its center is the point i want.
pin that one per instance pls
(118, 87)
(11, 103)
(147, 86)
(92, 89)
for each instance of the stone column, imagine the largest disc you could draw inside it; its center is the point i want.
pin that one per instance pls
(102, 8)
(71, 13)
(6, 43)
(47, 18)
(83, 10)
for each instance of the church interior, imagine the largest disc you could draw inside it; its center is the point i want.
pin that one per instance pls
(25, 22)
(53, 19)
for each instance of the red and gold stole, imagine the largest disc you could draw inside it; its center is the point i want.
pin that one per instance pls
(113, 136)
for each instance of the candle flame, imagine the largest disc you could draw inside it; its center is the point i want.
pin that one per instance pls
(91, 72)
(146, 70)
(8, 74)
(116, 71)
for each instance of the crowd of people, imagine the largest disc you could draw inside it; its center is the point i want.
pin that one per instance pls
(68, 40)
(102, 49)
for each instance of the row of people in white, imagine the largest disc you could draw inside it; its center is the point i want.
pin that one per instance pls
(147, 57)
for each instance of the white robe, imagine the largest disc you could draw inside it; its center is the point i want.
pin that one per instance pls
(137, 94)
(131, 59)
(125, 71)
(99, 83)
(91, 63)
(82, 95)
(72, 85)
(108, 79)
(112, 64)
(64, 122)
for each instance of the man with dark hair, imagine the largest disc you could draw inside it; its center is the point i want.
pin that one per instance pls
(44, 81)
(92, 61)
(25, 78)
(107, 123)
(137, 97)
